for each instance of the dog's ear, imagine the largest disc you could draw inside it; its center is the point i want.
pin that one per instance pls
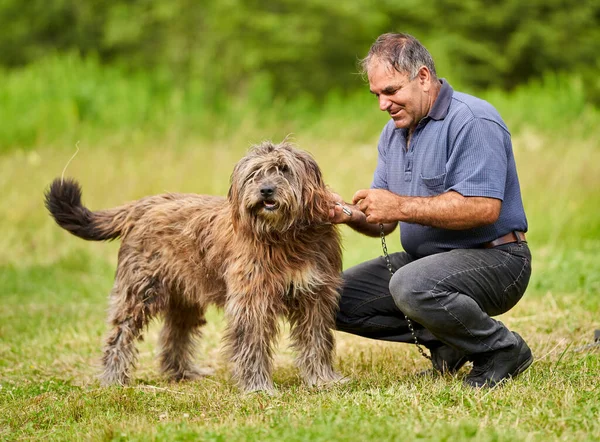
(315, 194)
(233, 196)
(314, 171)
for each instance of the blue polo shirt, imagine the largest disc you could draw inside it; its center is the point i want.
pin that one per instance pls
(461, 145)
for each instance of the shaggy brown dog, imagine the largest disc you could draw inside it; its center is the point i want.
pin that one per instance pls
(266, 250)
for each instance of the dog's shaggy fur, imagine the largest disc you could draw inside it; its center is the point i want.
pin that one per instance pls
(265, 250)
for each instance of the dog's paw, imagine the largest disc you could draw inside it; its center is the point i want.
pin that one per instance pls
(108, 379)
(267, 389)
(194, 374)
(330, 380)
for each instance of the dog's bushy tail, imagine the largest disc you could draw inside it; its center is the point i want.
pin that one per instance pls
(63, 200)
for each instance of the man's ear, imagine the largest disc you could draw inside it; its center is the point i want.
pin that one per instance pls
(424, 76)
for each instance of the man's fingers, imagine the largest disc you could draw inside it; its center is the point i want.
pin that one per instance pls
(372, 219)
(359, 195)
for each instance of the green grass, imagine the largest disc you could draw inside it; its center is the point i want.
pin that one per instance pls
(52, 320)
(54, 291)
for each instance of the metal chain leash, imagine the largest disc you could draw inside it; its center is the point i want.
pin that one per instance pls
(391, 269)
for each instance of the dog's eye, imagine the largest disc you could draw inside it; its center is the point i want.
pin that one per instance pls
(284, 169)
(252, 175)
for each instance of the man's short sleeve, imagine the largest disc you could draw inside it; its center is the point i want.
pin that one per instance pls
(477, 164)
(380, 178)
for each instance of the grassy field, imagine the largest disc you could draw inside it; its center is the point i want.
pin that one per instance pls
(54, 290)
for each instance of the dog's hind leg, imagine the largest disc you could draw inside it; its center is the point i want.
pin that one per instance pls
(177, 339)
(312, 322)
(129, 314)
(251, 329)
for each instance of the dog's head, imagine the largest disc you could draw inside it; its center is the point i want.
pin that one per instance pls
(276, 188)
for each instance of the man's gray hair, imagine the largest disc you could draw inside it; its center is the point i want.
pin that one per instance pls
(403, 52)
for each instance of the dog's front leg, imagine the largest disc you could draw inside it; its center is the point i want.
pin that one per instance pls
(251, 330)
(312, 322)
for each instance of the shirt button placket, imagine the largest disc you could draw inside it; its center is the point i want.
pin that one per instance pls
(408, 166)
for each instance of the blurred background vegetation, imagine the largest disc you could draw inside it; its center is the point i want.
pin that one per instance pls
(168, 95)
(183, 68)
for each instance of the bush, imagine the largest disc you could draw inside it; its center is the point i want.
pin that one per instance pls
(307, 47)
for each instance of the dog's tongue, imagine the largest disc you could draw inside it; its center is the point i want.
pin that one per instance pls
(269, 204)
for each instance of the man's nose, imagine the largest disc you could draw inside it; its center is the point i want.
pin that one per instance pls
(384, 103)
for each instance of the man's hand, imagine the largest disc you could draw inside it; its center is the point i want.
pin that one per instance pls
(379, 205)
(350, 214)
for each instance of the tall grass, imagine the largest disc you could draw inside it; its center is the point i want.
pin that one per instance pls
(63, 98)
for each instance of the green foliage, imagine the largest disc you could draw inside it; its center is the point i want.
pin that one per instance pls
(507, 43)
(67, 97)
(307, 47)
(297, 46)
(63, 99)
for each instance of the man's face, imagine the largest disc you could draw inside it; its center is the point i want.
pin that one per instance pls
(407, 101)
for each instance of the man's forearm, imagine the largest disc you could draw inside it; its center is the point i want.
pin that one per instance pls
(450, 211)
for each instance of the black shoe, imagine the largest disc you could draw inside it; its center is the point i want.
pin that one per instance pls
(445, 360)
(490, 369)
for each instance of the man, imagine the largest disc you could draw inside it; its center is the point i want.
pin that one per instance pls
(445, 173)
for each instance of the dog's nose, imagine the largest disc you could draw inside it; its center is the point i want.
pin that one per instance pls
(267, 191)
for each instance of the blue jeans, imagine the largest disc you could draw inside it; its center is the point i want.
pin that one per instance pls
(450, 297)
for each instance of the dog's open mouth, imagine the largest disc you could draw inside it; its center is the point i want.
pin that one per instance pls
(270, 205)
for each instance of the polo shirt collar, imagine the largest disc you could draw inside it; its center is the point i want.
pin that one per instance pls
(440, 107)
